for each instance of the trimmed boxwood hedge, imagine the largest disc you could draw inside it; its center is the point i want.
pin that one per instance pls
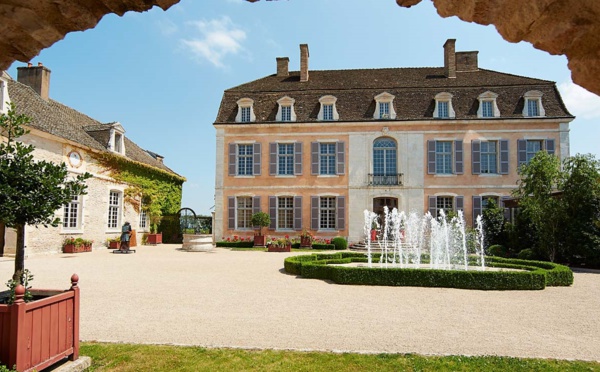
(535, 275)
(225, 244)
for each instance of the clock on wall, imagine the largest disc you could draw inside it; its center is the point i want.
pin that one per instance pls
(75, 159)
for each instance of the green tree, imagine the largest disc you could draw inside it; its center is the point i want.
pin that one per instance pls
(493, 224)
(539, 182)
(31, 191)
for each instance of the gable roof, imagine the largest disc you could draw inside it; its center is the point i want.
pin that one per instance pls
(414, 89)
(62, 121)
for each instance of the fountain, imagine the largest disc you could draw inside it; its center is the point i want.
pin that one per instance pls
(404, 240)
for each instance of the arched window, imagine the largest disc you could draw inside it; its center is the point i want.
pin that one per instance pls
(385, 163)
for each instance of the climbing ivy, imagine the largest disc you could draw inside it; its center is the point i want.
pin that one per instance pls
(159, 189)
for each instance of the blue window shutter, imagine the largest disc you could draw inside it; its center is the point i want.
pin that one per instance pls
(314, 213)
(232, 158)
(460, 203)
(255, 204)
(476, 209)
(476, 157)
(341, 212)
(297, 213)
(506, 210)
(522, 151)
(273, 212)
(341, 157)
(231, 212)
(298, 158)
(430, 157)
(504, 156)
(272, 159)
(256, 154)
(458, 157)
(314, 157)
(550, 146)
(433, 206)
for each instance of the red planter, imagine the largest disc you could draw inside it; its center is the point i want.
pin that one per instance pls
(37, 334)
(276, 248)
(113, 245)
(72, 248)
(154, 239)
(305, 242)
(260, 240)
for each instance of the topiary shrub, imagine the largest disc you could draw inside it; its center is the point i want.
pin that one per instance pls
(526, 254)
(225, 244)
(498, 250)
(341, 244)
(323, 246)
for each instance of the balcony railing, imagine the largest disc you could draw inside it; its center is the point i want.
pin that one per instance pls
(385, 179)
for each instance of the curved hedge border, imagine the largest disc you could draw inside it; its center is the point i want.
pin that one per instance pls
(536, 275)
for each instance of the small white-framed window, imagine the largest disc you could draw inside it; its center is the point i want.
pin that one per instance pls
(328, 111)
(114, 209)
(384, 108)
(488, 107)
(143, 219)
(533, 106)
(285, 112)
(245, 112)
(443, 106)
(117, 138)
(72, 213)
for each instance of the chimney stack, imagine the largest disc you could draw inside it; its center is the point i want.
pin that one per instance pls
(38, 78)
(282, 66)
(467, 61)
(450, 58)
(304, 62)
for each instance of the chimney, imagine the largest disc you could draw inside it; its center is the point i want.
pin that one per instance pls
(282, 66)
(304, 62)
(38, 78)
(450, 58)
(160, 158)
(466, 61)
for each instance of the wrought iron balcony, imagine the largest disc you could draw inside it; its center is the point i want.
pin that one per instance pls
(385, 179)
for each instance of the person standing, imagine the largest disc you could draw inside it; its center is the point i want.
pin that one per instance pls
(125, 236)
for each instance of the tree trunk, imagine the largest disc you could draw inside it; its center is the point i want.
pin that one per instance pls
(2, 238)
(20, 254)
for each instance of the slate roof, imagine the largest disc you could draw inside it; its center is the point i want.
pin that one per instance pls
(62, 121)
(414, 89)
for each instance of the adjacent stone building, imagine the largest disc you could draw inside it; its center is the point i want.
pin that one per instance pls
(314, 149)
(62, 134)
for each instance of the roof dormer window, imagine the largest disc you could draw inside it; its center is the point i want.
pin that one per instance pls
(286, 109)
(116, 141)
(245, 111)
(533, 104)
(328, 111)
(385, 106)
(488, 108)
(443, 106)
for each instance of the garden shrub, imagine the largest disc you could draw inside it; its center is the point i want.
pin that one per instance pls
(225, 244)
(497, 250)
(526, 254)
(323, 246)
(341, 244)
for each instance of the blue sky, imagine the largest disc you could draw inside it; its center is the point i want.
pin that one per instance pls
(162, 74)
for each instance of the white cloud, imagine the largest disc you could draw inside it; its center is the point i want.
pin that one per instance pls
(579, 101)
(219, 37)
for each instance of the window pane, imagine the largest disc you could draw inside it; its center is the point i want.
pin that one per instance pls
(286, 113)
(487, 110)
(245, 160)
(327, 112)
(285, 158)
(327, 213)
(489, 157)
(443, 109)
(445, 203)
(384, 110)
(245, 114)
(532, 107)
(532, 148)
(244, 212)
(327, 158)
(113, 209)
(443, 157)
(285, 213)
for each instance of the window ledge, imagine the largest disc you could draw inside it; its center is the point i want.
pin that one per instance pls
(490, 175)
(328, 175)
(245, 176)
(285, 176)
(72, 232)
(445, 175)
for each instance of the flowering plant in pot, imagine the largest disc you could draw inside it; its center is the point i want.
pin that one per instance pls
(113, 243)
(260, 220)
(306, 238)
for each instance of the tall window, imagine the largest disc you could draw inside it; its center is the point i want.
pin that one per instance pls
(245, 111)
(384, 110)
(286, 113)
(443, 157)
(489, 157)
(327, 158)
(244, 212)
(245, 160)
(285, 213)
(114, 209)
(487, 109)
(385, 170)
(328, 112)
(143, 219)
(72, 211)
(285, 158)
(119, 143)
(532, 148)
(445, 203)
(327, 213)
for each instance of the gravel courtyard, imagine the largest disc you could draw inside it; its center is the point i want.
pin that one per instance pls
(245, 300)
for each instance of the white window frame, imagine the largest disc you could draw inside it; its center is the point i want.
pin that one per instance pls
(444, 97)
(246, 156)
(328, 101)
(488, 97)
(329, 155)
(245, 103)
(143, 225)
(286, 102)
(117, 139)
(114, 221)
(283, 160)
(445, 154)
(533, 96)
(245, 208)
(77, 204)
(288, 213)
(384, 97)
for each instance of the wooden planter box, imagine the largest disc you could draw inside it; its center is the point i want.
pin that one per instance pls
(113, 245)
(260, 240)
(305, 242)
(154, 239)
(37, 334)
(276, 248)
(71, 248)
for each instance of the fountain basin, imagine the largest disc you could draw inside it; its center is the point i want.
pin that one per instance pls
(197, 242)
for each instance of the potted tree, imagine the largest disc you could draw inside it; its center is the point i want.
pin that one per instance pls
(20, 177)
(260, 220)
(154, 237)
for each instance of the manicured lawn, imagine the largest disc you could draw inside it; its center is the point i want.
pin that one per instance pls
(127, 357)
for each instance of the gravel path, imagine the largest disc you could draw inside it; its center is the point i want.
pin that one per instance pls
(245, 299)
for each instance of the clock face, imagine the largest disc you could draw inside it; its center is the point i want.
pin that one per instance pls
(74, 159)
